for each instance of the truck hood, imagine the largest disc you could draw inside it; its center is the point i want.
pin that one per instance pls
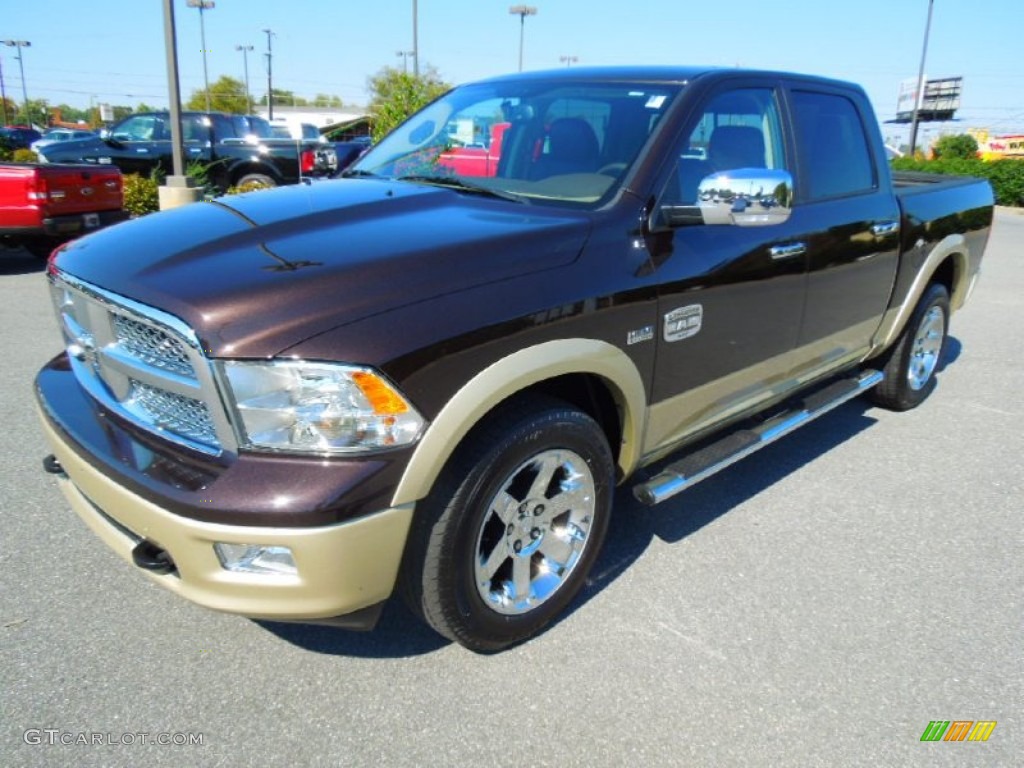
(254, 274)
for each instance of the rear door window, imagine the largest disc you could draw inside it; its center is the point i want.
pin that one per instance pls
(835, 158)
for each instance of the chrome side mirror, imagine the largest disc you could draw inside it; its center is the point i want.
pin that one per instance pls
(745, 197)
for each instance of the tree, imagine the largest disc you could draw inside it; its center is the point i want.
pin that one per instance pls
(395, 95)
(284, 98)
(11, 109)
(226, 95)
(962, 145)
(327, 100)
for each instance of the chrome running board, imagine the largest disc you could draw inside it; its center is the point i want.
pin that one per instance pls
(702, 464)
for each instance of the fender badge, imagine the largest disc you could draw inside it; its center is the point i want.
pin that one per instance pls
(684, 322)
(640, 334)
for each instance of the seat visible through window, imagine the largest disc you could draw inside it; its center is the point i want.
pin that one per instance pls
(571, 147)
(736, 146)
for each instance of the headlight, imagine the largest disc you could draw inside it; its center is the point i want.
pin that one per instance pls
(318, 407)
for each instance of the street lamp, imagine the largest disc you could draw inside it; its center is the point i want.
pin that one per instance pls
(405, 59)
(3, 94)
(270, 77)
(245, 63)
(415, 39)
(522, 11)
(19, 44)
(568, 60)
(202, 5)
(919, 96)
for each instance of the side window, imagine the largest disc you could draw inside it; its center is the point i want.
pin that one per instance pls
(193, 129)
(737, 129)
(832, 147)
(140, 128)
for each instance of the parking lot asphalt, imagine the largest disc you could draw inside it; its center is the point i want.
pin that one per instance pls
(819, 603)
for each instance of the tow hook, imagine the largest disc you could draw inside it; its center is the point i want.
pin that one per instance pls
(150, 557)
(51, 465)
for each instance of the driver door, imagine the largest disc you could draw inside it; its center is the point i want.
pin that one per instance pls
(731, 297)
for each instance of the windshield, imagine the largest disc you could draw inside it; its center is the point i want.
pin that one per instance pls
(558, 142)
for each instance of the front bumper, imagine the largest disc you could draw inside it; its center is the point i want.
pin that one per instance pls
(342, 569)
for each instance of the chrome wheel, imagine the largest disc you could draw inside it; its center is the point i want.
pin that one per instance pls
(534, 531)
(926, 348)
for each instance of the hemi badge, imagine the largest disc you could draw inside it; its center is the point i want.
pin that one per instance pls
(684, 322)
(641, 334)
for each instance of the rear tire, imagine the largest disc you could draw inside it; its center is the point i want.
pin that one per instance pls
(912, 363)
(515, 522)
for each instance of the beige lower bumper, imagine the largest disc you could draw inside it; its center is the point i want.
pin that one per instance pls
(341, 568)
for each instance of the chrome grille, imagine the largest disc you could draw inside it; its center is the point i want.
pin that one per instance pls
(143, 364)
(152, 345)
(183, 415)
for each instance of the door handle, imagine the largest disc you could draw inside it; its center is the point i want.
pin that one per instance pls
(789, 251)
(884, 228)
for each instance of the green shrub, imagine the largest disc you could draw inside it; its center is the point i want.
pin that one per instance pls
(141, 195)
(962, 145)
(6, 150)
(1006, 176)
(24, 156)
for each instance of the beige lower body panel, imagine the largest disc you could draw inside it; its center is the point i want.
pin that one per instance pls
(341, 568)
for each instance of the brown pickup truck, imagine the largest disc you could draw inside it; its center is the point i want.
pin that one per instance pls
(290, 404)
(44, 205)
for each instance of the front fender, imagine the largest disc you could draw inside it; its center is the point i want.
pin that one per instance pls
(515, 373)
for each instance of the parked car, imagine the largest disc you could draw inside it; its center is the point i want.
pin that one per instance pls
(289, 129)
(349, 151)
(56, 135)
(19, 136)
(236, 149)
(42, 206)
(290, 404)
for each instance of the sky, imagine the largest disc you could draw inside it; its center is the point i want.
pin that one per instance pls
(113, 51)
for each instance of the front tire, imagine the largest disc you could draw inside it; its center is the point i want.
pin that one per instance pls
(912, 363)
(506, 538)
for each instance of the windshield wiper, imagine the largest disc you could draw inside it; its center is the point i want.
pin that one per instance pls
(454, 182)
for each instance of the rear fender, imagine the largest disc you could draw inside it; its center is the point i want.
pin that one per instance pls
(952, 247)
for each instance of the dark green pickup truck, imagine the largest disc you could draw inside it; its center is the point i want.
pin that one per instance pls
(290, 404)
(235, 149)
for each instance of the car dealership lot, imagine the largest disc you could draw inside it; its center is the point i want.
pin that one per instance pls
(818, 604)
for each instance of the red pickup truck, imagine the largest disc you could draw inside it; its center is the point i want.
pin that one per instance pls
(476, 160)
(43, 205)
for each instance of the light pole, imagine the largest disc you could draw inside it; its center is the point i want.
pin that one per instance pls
(405, 59)
(19, 44)
(270, 76)
(919, 95)
(415, 39)
(202, 5)
(568, 60)
(522, 11)
(3, 93)
(245, 63)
